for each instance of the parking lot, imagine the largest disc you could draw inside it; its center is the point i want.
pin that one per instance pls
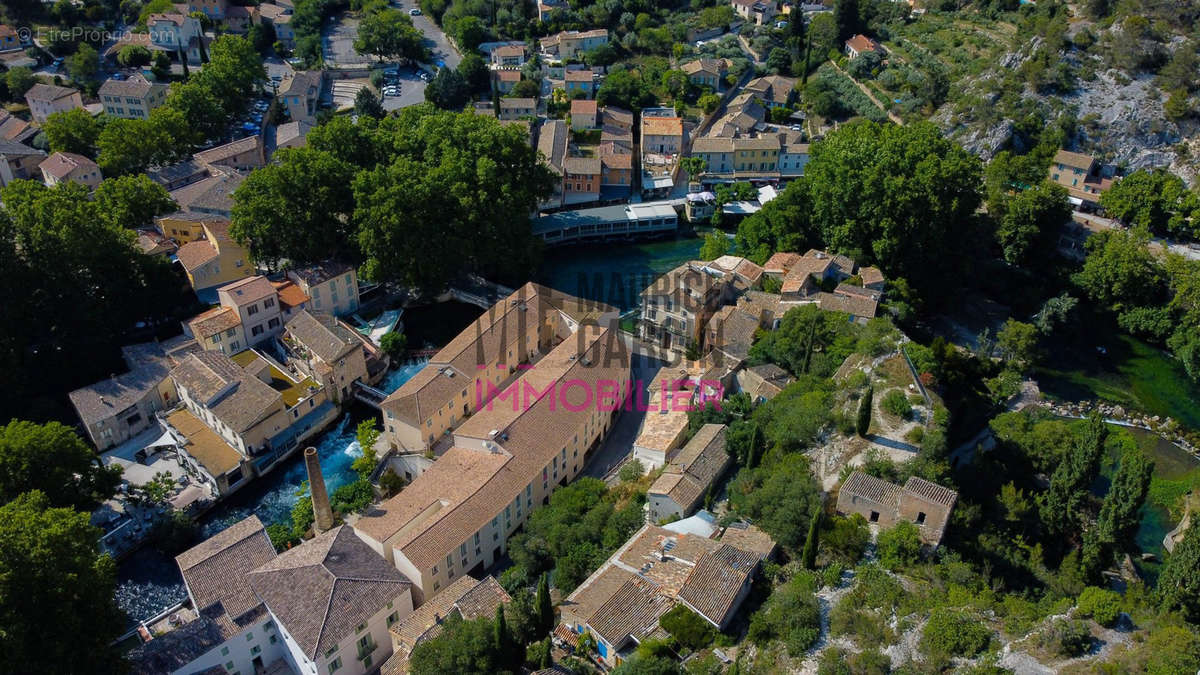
(337, 42)
(412, 90)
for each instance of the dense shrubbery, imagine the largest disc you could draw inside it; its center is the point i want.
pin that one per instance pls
(953, 633)
(583, 523)
(792, 614)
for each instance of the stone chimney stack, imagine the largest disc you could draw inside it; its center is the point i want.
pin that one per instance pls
(320, 498)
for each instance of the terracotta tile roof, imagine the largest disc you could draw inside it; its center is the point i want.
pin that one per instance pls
(552, 143)
(1077, 160)
(870, 275)
(581, 75)
(178, 648)
(697, 465)
(230, 150)
(716, 581)
(48, 92)
(508, 50)
(505, 75)
(662, 126)
(501, 329)
(426, 621)
(215, 570)
(305, 83)
(664, 557)
(861, 43)
(453, 478)
(930, 491)
(582, 166)
(63, 164)
(858, 292)
(12, 128)
(288, 132)
(214, 194)
(248, 290)
(710, 66)
(854, 305)
(633, 611)
(290, 294)
(618, 117)
(324, 588)
(214, 321)
(616, 160)
(583, 602)
(319, 273)
(195, 253)
(747, 537)
(207, 376)
(136, 86)
(170, 17)
(533, 436)
(583, 106)
(322, 334)
(466, 597)
(483, 599)
(872, 488)
(517, 103)
(204, 444)
(711, 144)
(106, 398)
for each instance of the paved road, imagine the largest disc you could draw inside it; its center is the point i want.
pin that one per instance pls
(1175, 247)
(436, 39)
(619, 445)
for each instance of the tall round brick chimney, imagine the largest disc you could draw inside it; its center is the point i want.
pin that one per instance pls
(320, 498)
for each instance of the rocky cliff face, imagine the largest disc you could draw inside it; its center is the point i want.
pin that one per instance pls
(1121, 121)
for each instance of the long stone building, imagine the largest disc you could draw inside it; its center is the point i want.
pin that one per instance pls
(534, 390)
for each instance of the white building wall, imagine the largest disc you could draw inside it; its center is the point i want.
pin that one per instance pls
(237, 654)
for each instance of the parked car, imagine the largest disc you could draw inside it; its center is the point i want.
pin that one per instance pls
(414, 12)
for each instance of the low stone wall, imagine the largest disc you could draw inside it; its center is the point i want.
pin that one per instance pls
(1166, 428)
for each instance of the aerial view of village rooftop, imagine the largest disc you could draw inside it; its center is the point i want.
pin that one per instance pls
(568, 337)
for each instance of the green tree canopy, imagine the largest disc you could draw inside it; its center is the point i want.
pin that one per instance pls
(51, 458)
(133, 201)
(781, 225)
(1120, 272)
(390, 34)
(1179, 583)
(297, 208)
(19, 80)
(58, 247)
(72, 131)
(779, 497)
(902, 197)
(52, 574)
(1029, 226)
(457, 195)
(1155, 199)
(462, 647)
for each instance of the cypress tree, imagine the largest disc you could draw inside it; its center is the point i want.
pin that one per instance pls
(1062, 503)
(809, 554)
(545, 611)
(752, 450)
(864, 412)
(504, 640)
(1118, 518)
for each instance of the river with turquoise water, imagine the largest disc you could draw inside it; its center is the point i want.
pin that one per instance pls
(149, 582)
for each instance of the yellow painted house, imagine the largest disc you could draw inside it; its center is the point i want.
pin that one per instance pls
(183, 226)
(215, 259)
